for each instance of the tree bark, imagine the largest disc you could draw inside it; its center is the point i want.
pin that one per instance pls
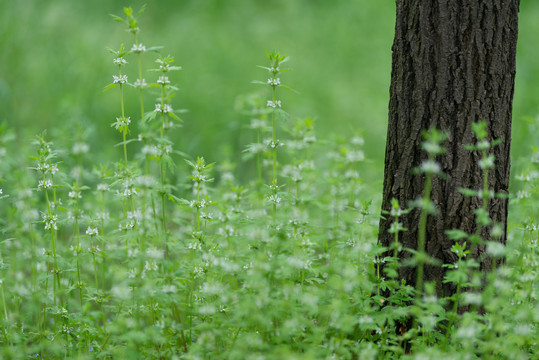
(453, 64)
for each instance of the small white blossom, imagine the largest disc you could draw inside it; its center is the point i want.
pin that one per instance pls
(396, 227)
(74, 195)
(122, 79)
(140, 84)
(198, 271)
(523, 194)
(430, 167)
(495, 249)
(163, 80)
(50, 222)
(194, 246)
(80, 148)
(468, 332)
(150, 266)
(432, 148)
(357, 140)
(274, 199)
(274, 81)
(355, 156)
(135, 215)
(91, 231)
(128, 226)
(472, 298)
(44, 184)
(43, 167)
(125, 121)
(119, 61)
(257, 124)
(483, 145)
(487, 162)
(164, 109)
(273, 104)
(131, 253)
(102, 187)
(103, 216)
(138, 48)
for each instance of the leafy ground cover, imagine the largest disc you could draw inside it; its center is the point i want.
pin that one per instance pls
(155, 252)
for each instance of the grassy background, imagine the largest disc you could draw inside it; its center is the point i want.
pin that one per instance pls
(54, 65)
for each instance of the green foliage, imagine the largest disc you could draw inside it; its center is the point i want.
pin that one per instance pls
(151, 254)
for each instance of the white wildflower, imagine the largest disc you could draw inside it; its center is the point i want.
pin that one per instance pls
(150, 266)
(273, 104)
(80, 148)
(44, 184)
(140, 84)
(430, 167)
(274, 199)
(132, 273)
(487, 162)
(274, 81)
(166, 108)
(74, 195)
(355, 156)
(91, 231)
(523, 194)
(138, 48)
(119, 61)
(122, 79)
(163, 80)
(194, 246)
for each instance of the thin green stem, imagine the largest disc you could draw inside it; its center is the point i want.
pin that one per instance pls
(274, 138)
(421, 238)
(77, 234)
(5, 312)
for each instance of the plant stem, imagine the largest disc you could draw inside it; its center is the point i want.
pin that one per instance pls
(421, 238)
(124, 132)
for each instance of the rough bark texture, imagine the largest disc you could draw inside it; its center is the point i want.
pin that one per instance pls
(453, 64)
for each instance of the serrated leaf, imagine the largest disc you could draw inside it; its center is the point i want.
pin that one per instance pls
(150, 116)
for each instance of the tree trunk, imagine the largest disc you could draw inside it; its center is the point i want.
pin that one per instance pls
(453, 64)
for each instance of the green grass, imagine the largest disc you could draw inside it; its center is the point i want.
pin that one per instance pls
(189, 242)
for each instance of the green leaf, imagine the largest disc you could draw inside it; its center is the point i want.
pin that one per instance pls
(175, 117)
(456, 234)
(117, 18)
(109, 86)
(468, 192)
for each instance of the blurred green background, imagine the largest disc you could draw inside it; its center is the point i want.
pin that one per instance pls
(54, 65)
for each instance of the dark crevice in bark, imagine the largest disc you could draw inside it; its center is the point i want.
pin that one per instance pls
(453, 64)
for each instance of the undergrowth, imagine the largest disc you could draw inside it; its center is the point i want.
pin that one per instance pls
(163, 255)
